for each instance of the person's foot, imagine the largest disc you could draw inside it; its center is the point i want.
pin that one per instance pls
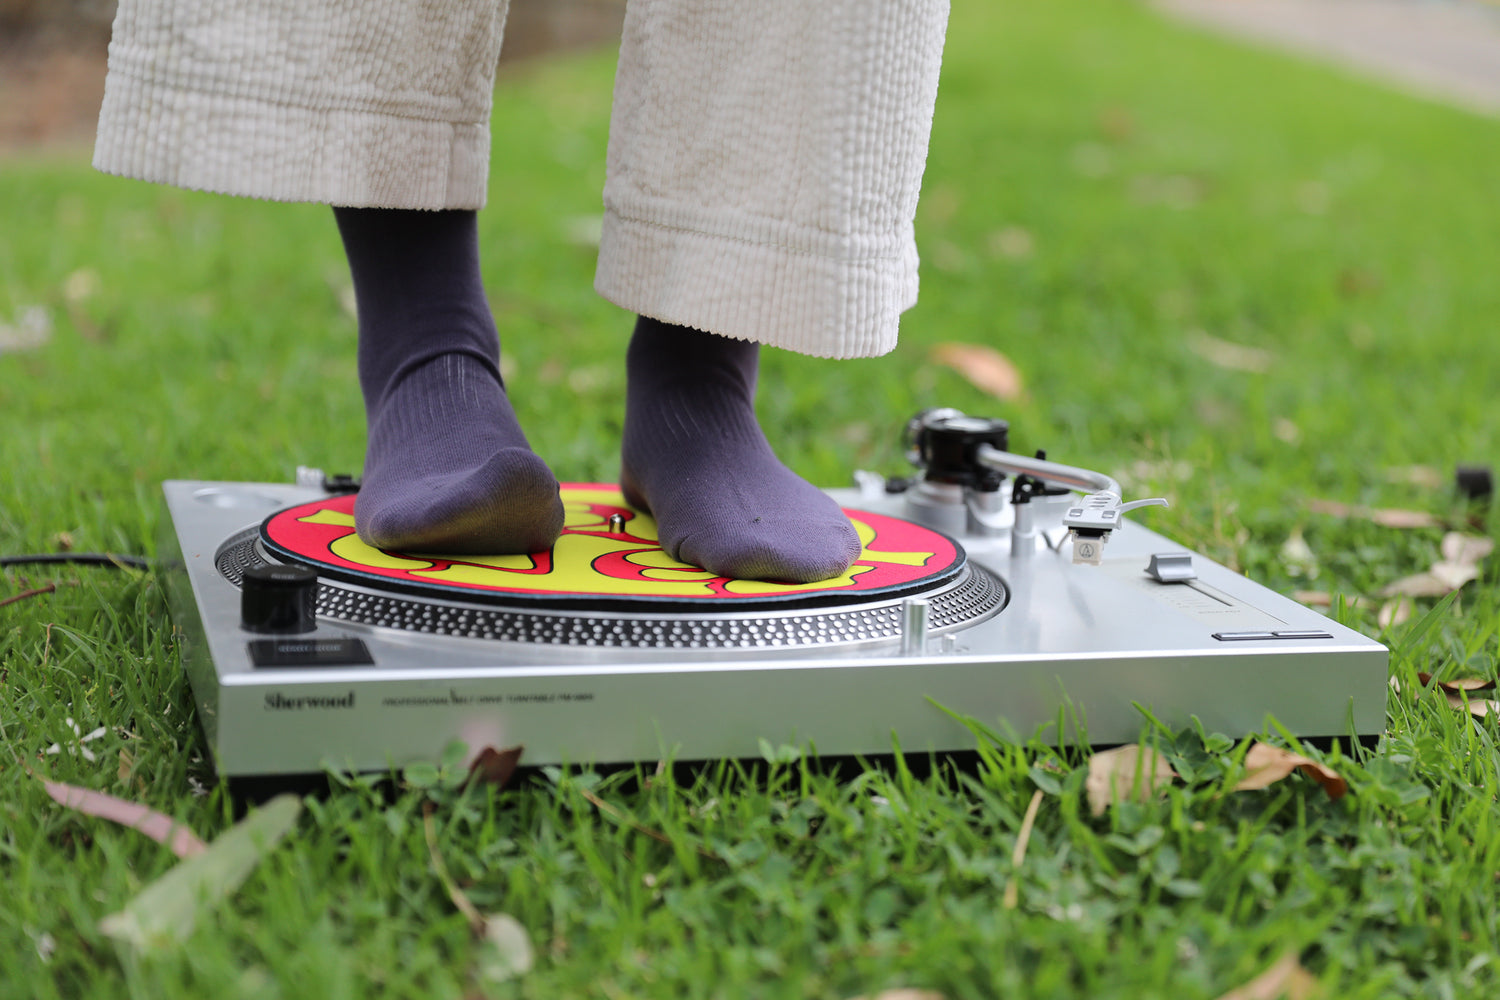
(447, 466)
(448, 469)
(695, 458)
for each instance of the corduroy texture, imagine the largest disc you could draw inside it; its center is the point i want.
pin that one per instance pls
(764, 165)
(368, 103)
(764, 158)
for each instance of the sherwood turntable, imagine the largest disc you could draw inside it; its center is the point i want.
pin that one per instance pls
(987, 589)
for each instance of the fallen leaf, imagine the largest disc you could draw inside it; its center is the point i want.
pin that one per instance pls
(1427, 584)
(1323, 599)
(505, 950)
(1385, 517)
(1265, 765)
(160, 828)
(1397, 611)
(1424, 476)
(1225, 354)
(1285, 980)
(127, 766)
(1395, 518)
(984, 367)
(1297, 556)
(32, 328)
(80, 286)
(1455, 692)
(1130, 772)
(1469, 550)
(495, 767)
(1012, 242)
(164, 912)
(1458, 683)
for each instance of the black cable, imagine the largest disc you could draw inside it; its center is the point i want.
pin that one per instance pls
(86, 558)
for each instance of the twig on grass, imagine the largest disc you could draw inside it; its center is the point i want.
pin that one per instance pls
(505, 949)
(460, 899)
(1012, 888)
(34, 592)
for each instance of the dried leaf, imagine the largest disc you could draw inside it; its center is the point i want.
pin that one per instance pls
(495, 767)
(1012, 242)
(1324, 599)
(1418, 585)
(160, 828)
(1285, 980)
(80, 286)
(1265, 765)
(1224, 354)
(1397, 611)
(984, 367)
(1454, 574)
(1424, 476)
(505, 950)
(1297, 556)
(1385, 517)
(163, 913)
(1458, 683)
(31, 329)
(1130, 772)
(1393, 518)
(1012, 889)
(1455, 690)
(1463, 549)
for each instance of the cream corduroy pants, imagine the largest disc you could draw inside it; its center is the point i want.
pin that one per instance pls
(764, 161)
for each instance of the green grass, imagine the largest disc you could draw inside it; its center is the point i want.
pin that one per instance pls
(1172, 185)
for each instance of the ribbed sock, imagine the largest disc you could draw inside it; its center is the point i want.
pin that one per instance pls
(447, 466)
(694, 456)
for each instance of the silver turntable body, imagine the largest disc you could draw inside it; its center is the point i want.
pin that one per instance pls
(1048, 630)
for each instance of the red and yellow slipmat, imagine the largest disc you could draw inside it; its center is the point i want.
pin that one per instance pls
(590, 559)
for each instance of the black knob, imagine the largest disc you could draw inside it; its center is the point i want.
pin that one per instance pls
(949, 445)
(279, 599)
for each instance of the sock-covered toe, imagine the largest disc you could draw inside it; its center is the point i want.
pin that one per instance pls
(506, 504)
(695, 457)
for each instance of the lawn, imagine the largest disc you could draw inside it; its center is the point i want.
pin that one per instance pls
(1239, 280)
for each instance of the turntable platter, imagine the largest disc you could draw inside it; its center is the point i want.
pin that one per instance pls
(607, 581)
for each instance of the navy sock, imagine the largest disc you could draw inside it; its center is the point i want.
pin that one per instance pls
(695, 457)
(447, 467)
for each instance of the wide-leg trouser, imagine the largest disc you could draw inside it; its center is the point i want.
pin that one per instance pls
(764, 157)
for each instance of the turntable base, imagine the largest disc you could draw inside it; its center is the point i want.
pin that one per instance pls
(605, 650)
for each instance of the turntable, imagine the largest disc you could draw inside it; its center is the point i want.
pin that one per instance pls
(986, 589)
